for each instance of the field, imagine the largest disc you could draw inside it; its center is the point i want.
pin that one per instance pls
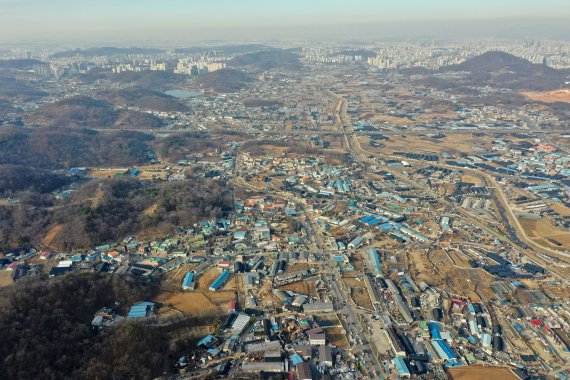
(336, 337)
(561, 209)
(480, 373)
(359, 293)
(5, 278)
(472, 179)
(556, 96)
(453, 143)
(539, 230)
(306, 287)
(198, 304)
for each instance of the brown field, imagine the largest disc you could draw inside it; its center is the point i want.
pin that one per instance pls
(561, 209)
(538, 230)
(361, 297)
(472, 179)
(336, 337)
(459, 259)
(480, 373)
(555, 291)
(357, 261)
(388, 119)
(206, 279)
(303, 287)
(5, 278)
(297, 267)
(418, 259)
(465, 281)
(51, 235)
(105, 173)
(556, 96)
(453, 143)
(198, 304)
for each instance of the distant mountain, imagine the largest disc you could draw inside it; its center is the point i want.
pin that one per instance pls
(14, 178)
(143, 98)
(152, 80)
(85, 112)
(63, 148)
(105, 51)
(225, 80)
(266, 60)
(503, 70)
(225, 49)
(20, 64)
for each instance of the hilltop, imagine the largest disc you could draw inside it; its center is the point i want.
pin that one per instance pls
(104, 51)
(15, 178)
(266, 60)
(57, 148)
(503, 70)
(225, 80)
(143, 98)
(85, 112)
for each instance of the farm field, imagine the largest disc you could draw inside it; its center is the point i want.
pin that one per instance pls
(541, 229)
(480, 373)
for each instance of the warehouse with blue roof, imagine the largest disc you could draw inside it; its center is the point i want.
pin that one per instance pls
(220, 281)
(375, 261)
(141, 310)
(188, 282)
(401, 367)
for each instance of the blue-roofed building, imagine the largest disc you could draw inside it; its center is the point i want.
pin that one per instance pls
(434, 330)
(296, 359)
(356, 243)
(401, 367)
(141, 310)
(207, 342)
(366, 218)
(386, 227)
(445, 347)
(135, 172)
(376, 262)
(220, 281)
(188, 281)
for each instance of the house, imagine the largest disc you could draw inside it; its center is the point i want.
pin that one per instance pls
(317, 337)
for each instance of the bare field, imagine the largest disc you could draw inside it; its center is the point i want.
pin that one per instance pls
(198, 304)
(465, 281)
(561, 209)
(472, 179)
(453, 143)
(5, 278)
(206, 279)
(459, 259)
(556, 96)
(303, 287)
(336, 337)
(539, 230)
(480, 373)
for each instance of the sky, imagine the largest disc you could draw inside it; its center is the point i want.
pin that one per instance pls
(148, 19)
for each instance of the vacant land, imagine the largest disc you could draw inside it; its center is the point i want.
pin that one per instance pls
(556, 96)
(480, 373)
(5, 278)
(336, 337)
(542, 230)
(198, 304)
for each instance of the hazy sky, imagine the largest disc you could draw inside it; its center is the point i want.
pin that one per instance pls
(44, 19)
